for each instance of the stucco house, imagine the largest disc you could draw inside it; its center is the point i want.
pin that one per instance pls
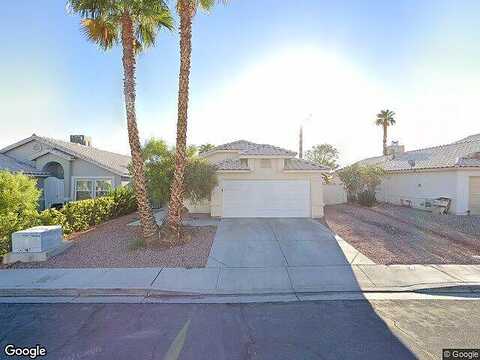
(66, 171)
(260, 180)
(416, 177)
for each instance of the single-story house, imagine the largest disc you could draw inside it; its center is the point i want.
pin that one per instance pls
(66, 171)
(259, 180)
(416, 177)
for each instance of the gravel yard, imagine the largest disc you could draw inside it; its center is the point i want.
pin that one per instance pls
(391, 234)
(112, 245)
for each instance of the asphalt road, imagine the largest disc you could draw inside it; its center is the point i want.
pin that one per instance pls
(400, 329)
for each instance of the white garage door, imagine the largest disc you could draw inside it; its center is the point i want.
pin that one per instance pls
(289, 198)
(475, 195)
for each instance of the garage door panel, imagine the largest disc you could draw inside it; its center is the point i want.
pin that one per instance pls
(266, 198)
(474, 195)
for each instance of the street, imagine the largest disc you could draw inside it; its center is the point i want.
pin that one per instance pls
(387, 329)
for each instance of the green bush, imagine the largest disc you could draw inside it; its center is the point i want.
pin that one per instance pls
(200, 176)
(360, 181)
(18, 202)
(54, 217)
(124, 201)
(82, 215)
(18, 206)
(366, 198)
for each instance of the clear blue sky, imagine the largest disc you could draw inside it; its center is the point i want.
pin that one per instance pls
(258, 69)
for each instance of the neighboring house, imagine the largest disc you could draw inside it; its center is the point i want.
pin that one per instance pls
(258, 180)
(66, 170)
(416, 177)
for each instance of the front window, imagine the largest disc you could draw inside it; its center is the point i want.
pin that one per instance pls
(102, 187)
(91, 188)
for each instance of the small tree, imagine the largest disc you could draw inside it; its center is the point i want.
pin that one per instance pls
(323, 154)
(361, 181)
(205, 147)
(19, 197)
(200, 176)
(200, 179)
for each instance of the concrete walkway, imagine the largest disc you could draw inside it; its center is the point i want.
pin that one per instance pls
(290, 258)
(290, 280)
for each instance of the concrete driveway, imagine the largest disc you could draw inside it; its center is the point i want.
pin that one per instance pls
(279, 242)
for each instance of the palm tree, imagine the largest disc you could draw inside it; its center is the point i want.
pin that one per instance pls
(186, 10)
(134, 24)
(385, 118)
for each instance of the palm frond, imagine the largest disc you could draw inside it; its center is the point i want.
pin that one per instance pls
(89, 8)
(147, 26)
(101, 31)
(385, 118)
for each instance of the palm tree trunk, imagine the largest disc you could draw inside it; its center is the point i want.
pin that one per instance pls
(384, 139)
(147, 220)
(175, 208)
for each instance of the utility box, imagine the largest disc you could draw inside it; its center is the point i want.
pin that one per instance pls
(37, 239)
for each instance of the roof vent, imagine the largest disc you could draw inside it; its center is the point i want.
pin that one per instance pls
(81, 140)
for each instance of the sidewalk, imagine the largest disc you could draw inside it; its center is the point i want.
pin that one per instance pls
(238, 281)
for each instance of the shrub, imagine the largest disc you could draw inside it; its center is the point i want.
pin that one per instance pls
(360, 180)
(54, 217)
(18, 209)
(83, 214)
(124, 201)
(19, 197)
(366, 198)
(200, 179)
(200, 176)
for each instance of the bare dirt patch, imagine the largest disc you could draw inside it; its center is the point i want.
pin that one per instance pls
(114, 244)
(394, 235)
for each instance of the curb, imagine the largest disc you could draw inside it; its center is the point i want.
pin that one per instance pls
(441, 288)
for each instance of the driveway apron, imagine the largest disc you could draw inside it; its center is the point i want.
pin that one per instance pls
(279, 242)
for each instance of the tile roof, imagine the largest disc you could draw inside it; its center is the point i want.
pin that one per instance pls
(290, 164)
(301, 164)
(249, 148)
(112, 161)
(475, 137)
(12, 165)
(463, 153)
(116, 163)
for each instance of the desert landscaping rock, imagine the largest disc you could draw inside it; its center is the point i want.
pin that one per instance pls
(109, 245)
(389, 234)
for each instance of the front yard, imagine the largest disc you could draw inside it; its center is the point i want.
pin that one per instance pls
(115, 244)
(390, 234)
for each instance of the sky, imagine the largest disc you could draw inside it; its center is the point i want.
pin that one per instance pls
(260, 69)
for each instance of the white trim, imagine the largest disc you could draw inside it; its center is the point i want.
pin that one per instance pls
(305, 171)
(75, 178)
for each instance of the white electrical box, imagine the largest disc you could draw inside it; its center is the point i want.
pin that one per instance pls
(37, 239)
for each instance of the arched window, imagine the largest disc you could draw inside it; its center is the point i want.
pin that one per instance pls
(54, 169)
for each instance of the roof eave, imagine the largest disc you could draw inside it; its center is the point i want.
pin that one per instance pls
(246, 156)
(304, 171)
